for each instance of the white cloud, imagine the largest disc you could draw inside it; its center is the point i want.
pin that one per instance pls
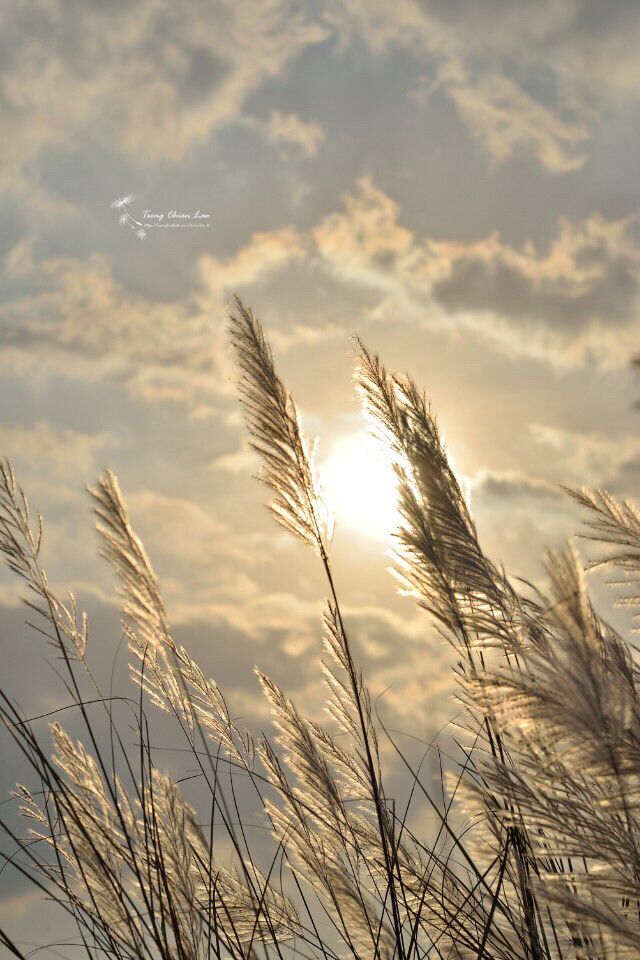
(19, 904)
(578, 300)
(202, 563)
(265, 253)
(512, 509)
(79, 322)
(505, 119)
(150, 79)
(290, 129)
(242, 461)
(589, 459)
(483, 57)
(50, 451)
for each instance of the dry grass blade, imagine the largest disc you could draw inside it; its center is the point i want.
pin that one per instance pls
(123, 549)
(439, 559)
(64, 627)
(616, 526)
(537, 851)
(274, 424)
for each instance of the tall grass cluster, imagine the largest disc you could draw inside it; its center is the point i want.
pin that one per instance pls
(536, 855)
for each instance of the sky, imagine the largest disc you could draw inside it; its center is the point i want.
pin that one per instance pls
(453, 182)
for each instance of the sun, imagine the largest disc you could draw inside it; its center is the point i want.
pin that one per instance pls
(361, 487)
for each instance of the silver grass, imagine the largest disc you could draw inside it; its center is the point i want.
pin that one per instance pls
(393, 874)
(123, 549)
(274, 424)
(439, 561)
(135, 865)
(171, 678)
(176, 684)
(537, 856)
(288, 468)
(20, 545)
(616, 526)
(570, 719)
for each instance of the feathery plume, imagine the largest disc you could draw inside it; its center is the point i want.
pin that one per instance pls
(274, 424)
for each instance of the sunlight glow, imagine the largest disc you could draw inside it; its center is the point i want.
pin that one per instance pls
(361, 487)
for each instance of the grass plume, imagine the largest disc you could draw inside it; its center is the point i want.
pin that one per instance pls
(536, 855)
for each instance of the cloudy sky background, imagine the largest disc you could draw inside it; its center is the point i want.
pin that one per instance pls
(456, 182)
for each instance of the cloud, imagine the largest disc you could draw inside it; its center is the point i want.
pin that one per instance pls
(390, 649)
(589, 459)
(79, 322)
(282, 635)
(151, 80)
(580, 298)
(485, 58)
(43, 449)
(576, 301)
(512, 508)
(19, 904)
(71, 317)
(206, 573)
(589, 275)
(505, 120)
(203, 564)
(404, 660)
(147, 79)
(242, 461)
(290, 129)
(364, 242)
(512, 485)
(264, 254)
